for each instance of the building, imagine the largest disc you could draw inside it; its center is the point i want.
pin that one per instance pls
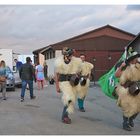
(38, 57)
(102, 47)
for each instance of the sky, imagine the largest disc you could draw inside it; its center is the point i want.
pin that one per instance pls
(25, 28)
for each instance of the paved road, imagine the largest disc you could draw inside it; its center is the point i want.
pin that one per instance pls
(42, 115)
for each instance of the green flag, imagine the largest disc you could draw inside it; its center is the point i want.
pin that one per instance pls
(108, 81)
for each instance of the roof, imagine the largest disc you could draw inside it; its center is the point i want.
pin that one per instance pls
(76, 38)
(97, 43)
(38, 50)
(95, 30)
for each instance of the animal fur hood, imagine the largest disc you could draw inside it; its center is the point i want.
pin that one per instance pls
(86, 68)
(73, 67)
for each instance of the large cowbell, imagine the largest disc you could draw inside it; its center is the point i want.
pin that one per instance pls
(135, 44)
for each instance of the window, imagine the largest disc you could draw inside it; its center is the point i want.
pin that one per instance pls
(47, 55)
(53, 54)
(50, 54)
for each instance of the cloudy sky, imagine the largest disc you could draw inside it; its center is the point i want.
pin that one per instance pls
(25, 28)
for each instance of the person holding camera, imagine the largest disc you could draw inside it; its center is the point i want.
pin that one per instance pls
(67, 69)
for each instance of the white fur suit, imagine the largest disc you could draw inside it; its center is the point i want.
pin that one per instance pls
(69, 92)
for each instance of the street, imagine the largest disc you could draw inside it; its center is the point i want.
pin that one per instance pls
(42, 116)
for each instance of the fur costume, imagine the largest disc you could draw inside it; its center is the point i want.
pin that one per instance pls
(69, 92)
(130, 104)
(85, 70)
(131, 73)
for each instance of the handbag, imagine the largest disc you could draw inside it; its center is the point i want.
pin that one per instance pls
(2, 78)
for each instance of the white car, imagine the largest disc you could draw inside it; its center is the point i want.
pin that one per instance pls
(17, 79)
(10, 81)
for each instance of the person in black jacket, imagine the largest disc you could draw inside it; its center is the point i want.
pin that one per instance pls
(27, 76)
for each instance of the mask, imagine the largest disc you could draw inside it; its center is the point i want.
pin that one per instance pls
(67, 59)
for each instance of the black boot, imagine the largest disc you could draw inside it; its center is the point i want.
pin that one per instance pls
(125, 124)
(65, 118)
(131, 120)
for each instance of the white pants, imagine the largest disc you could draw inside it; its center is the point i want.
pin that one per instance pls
(69, 95)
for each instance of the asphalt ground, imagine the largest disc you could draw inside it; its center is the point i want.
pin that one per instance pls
(42, 116)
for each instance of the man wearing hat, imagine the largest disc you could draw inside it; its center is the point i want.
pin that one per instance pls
(129, 102)
(67, 69)
(133, 58)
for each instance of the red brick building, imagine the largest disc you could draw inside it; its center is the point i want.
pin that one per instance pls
(102, 47)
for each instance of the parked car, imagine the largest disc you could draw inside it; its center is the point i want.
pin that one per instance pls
(10, 81)
(17, 79)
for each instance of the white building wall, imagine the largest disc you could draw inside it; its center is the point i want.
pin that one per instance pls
(50, 63)
(58, 53)
(41, 59)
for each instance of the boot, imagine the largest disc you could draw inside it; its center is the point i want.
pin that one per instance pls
(125, 124)
(131, 120)
(65, 118)
(81, 104)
